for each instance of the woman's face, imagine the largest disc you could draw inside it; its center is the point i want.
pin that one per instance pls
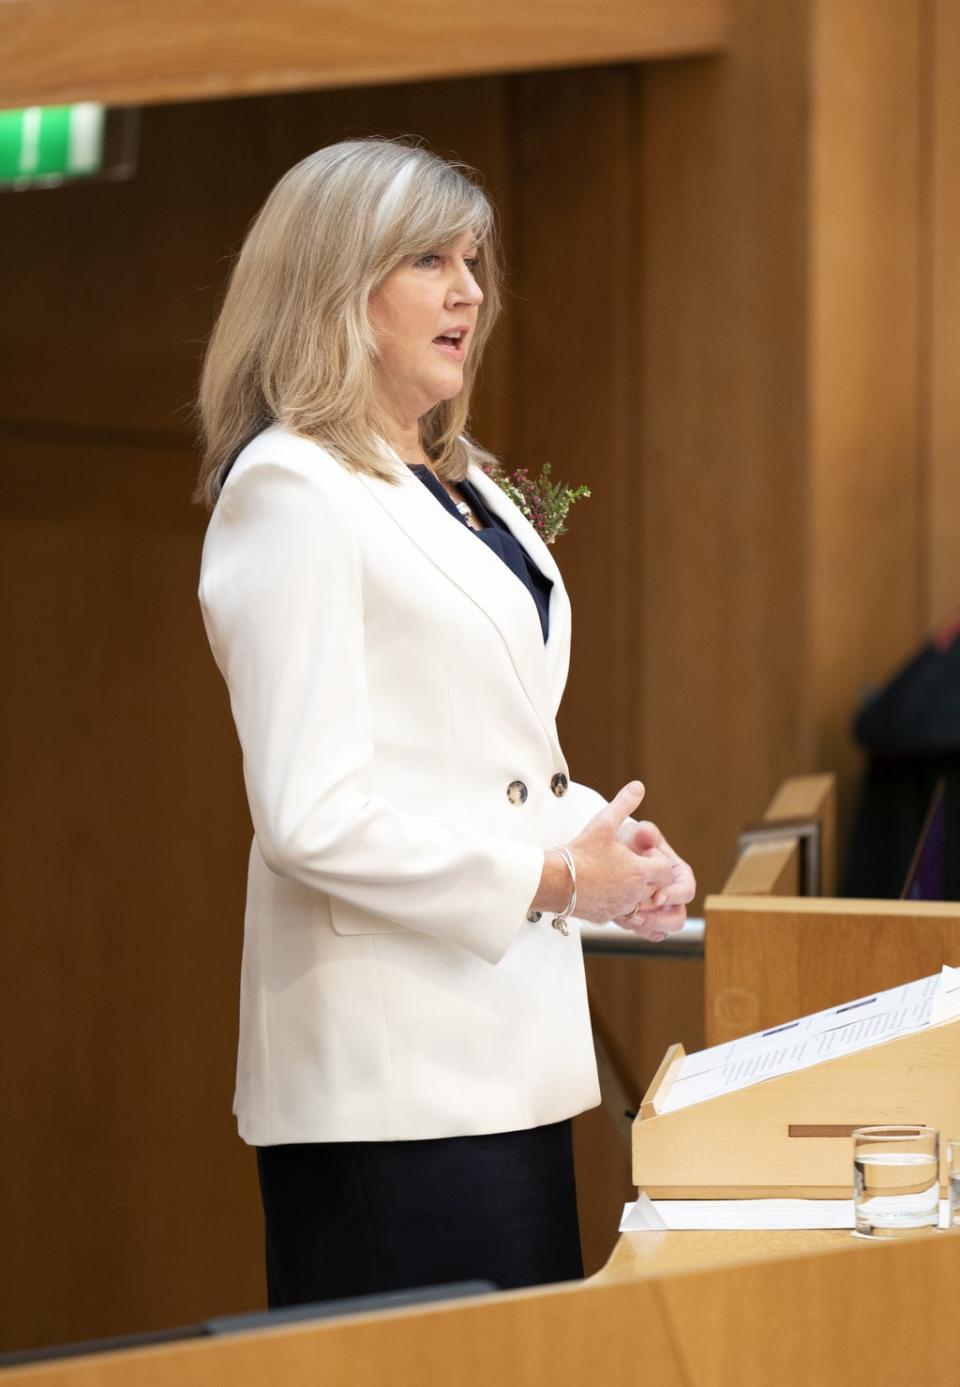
(424, 314)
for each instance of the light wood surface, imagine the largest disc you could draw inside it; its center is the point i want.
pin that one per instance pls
(770, 961)
(795, 1312)
(131, 52)
(811, 797)
(667, 1071)
(654, 1254)
(834, 1316)
(766, 869)
(773, 868)
(751, 1143)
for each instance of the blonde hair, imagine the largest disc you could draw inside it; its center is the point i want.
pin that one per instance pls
(293, 344)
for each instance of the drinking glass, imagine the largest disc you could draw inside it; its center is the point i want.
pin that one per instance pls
(953, 1175)
(896, 1180)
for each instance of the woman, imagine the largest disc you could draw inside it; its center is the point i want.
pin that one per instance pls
(414, 1035)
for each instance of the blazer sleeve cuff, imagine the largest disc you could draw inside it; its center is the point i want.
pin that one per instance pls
(585, 803)
(498, 905)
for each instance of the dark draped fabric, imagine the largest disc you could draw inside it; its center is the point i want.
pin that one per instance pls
(499, 538)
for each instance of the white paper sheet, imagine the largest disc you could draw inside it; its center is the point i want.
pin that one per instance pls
(946, 1003)
(660, 1215)
(807, 1041)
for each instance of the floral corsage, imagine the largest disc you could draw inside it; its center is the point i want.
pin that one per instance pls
(545, 503)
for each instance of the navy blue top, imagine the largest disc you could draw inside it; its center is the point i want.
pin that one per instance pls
(497, 537)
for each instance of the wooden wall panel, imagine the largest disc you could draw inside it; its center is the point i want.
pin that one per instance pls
(865, 582)
(574, 345)
(127, 1200)
(940, 360)
(717, 509)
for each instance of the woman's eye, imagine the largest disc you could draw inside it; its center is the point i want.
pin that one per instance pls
(473, 264)
(427, 262)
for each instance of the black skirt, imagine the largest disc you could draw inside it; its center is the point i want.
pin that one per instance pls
(362, 1218)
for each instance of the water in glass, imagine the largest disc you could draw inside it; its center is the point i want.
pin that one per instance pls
(895, 1191)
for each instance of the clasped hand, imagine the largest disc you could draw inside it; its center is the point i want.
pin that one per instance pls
(627, 872)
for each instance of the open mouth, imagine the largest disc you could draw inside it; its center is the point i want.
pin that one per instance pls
(453, 343)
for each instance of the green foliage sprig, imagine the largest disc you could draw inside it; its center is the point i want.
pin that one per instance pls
(545, 503)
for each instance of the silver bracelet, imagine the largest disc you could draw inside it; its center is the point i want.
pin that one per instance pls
(559, 922)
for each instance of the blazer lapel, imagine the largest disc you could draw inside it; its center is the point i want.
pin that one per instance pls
(481, 576)
(558, 644)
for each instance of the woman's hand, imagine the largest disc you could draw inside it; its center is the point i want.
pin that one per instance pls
(612, 876)
(667, 910)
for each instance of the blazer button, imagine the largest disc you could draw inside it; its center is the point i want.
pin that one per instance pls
(516, 792)
(534, 915)
(559, 784)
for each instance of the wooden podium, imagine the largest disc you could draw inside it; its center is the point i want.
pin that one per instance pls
(789, 1137)
(671, 1310)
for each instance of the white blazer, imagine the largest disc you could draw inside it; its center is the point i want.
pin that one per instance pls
(395, 705)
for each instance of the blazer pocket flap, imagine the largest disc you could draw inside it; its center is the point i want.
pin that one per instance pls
(351, 919)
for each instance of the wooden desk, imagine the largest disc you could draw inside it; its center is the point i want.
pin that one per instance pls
(798, 1309)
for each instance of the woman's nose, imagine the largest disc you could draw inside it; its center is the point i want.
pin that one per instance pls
(466, 289)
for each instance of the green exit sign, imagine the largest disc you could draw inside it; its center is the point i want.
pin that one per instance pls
(48, 144)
